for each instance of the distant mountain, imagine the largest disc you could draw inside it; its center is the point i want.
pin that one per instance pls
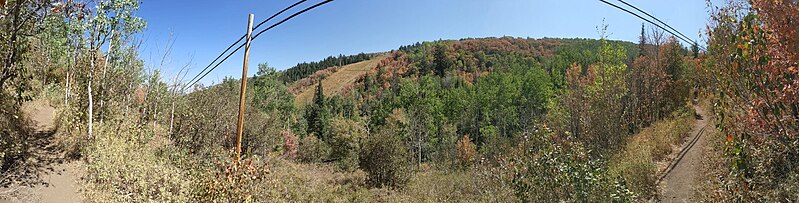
(465, 58)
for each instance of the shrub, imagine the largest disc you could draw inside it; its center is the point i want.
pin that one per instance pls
(124, 167)
(385, 158)
(13, 132)
(466, 151)
(543, 170)
(454, 186)
(234, 181)
(345, 142)
(313, 150)
(290, 145)
(638, 170)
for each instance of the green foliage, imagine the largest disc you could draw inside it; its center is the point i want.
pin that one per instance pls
(384, 156)
(269, 94)
(313, 150)
(443, 61)
(542, 170)
(345, 142)
(594, 100)
(317, 115)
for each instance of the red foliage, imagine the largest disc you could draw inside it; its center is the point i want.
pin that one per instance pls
(290, 145)
(760, 56)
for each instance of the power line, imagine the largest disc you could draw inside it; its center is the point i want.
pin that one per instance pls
(256, 36)
(290, 17)
(242, 38)
(650, 22)
(653, 17)
(647, 20)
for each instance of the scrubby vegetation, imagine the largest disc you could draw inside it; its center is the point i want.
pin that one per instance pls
(490, 119)
(752, 61)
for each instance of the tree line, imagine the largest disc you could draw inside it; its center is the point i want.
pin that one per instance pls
(302, 70)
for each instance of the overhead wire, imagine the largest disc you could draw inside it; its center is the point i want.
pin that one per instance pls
(258, 34)
(658, 25)
(653, 17)
(239, 40)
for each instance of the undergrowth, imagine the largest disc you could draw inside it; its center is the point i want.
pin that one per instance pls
(636, 163)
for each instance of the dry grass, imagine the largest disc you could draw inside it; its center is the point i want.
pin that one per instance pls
(336, 82)
(640, 160)
(123, 167)
(300, 182)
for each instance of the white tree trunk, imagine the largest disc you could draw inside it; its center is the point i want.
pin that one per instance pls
(127, 98)
(155, 114)
(172, 116)
(91, 109)
(66, 89)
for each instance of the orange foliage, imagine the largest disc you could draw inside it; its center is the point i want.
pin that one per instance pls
(466, 151)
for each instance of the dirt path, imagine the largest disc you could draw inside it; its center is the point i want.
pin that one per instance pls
(678, 183)
(48, 176)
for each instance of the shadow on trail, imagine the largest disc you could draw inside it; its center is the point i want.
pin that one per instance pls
(37, 151)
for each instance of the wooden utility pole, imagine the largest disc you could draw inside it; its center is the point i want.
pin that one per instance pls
(243, 88)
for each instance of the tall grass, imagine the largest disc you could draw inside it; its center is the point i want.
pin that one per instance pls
(636, 163)
(129, 165)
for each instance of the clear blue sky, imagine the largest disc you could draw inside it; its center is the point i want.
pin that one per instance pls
(203, 28)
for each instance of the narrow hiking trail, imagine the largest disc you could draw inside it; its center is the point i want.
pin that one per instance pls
(678, 183)
(54, 178)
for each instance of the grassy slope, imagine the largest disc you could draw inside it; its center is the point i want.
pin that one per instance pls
(334, 83)
(339, 79)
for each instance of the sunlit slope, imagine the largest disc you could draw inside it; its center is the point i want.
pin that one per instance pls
(336, 82)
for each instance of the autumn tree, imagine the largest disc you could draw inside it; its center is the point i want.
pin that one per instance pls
(595, 99)
(753, 53)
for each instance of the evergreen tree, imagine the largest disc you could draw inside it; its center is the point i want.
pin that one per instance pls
(317, 114)
(442, 61)
(642, 42)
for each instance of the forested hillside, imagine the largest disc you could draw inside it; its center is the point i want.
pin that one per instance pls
(497, 119)
(302, 70)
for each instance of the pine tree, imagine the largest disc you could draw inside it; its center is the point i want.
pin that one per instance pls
(442, 61)
(317, 115)
(642, 42)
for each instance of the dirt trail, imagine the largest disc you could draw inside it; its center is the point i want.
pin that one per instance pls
(52, 178)
(678, 183)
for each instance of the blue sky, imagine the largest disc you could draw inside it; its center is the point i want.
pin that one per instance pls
(204, 28)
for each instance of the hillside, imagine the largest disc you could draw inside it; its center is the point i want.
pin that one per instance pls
(335, 79)
(467, 56)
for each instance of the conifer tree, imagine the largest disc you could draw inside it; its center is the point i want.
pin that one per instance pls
(317, 114)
